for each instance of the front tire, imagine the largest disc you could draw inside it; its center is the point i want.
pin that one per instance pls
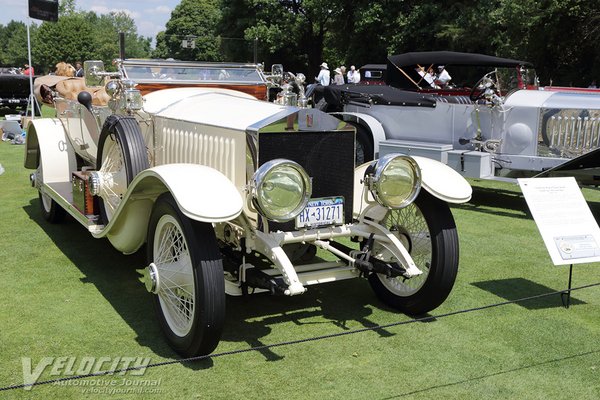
(427, 229)
(190, 294)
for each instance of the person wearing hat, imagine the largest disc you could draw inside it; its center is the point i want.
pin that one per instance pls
(353, 75)
(442, 77)
(324, 77)
(338, 78)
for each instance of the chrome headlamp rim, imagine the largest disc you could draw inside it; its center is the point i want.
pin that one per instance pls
(258, 179)
(375, 181)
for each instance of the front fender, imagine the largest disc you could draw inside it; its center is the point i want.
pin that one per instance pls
(202, 194)
(437, 178)
(443, 182)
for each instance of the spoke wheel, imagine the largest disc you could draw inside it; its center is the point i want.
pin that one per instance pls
(121, 156)
(188, 279)
(427, 230)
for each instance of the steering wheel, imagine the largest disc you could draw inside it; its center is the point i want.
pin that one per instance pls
(482, 86)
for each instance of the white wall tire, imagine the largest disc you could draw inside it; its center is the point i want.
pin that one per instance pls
(51, 211)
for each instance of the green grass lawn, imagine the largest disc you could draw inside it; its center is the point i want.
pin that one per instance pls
(63, 293)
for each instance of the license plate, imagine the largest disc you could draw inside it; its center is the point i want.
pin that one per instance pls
(13, 101)
(320, 212)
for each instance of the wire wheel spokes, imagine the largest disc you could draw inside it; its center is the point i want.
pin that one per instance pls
(176, 291)
(410, 226)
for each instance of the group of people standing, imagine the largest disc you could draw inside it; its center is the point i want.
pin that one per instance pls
(340, 76)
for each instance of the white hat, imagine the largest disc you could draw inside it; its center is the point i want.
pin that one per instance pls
(324, 65)
(337, 71)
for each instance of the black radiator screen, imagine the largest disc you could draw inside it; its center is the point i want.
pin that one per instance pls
(327, 157)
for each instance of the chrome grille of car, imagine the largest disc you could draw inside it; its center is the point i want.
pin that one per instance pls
(327, 157)
(570, 133)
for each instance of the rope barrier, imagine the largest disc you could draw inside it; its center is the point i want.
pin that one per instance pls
(296, 341)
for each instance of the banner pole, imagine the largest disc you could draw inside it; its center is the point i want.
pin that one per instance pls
(32, 103)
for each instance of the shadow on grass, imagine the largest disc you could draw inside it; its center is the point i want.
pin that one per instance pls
(249, 319)
(505, 202)
(493, 374)
(495, 200)
(112, 273)
(341, 304)
(517, 288)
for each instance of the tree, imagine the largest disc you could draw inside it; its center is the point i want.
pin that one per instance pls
(78, 36)
(13, 43)
(69, 39)
(191, 18)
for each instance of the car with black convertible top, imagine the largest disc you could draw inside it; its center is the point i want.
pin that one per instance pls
(235, 195)
(14, 89)
(492, 120)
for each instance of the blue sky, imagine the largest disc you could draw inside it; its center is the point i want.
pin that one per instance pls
(150, 15)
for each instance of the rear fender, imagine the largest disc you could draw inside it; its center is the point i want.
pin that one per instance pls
(47, 144)
(202, 194)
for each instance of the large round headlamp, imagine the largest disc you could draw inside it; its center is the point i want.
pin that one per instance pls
(395, 181)
(280, 189)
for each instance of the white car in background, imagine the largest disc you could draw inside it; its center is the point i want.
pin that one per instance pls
(492, 121)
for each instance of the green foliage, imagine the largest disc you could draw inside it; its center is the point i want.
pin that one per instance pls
(13, 42)
(558, 36)
(76, 36)
(197, 18)
(68, 38)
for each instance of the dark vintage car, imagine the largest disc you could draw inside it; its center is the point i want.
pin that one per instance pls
(14, 89)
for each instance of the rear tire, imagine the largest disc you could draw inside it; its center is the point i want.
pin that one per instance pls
(51, 211)
(190, 295)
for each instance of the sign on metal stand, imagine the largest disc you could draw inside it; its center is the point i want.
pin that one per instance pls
(563, 217)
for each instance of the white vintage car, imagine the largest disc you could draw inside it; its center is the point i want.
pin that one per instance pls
(492, 120)
(234, 195)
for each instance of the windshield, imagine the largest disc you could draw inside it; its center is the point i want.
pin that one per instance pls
(217, 73)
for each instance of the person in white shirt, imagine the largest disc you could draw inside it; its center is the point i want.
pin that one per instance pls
(324, 77)
(353, 75)
(338, 79)
(443, 77)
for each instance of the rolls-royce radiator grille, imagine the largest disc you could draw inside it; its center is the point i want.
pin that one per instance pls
(185, 146)
(570, 133)
(327, 157)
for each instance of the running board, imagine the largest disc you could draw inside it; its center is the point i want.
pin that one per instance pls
(62, 194)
